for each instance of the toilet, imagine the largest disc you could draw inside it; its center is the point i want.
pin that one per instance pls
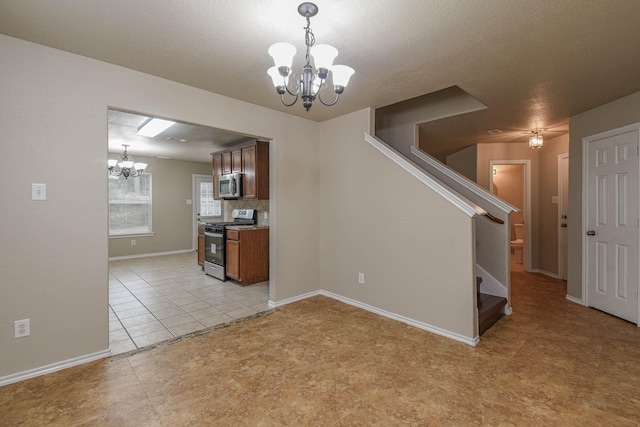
(516, 245)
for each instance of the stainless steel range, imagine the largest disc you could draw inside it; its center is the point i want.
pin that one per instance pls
(215, 236)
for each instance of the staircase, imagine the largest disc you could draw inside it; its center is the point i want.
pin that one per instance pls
(490, 308)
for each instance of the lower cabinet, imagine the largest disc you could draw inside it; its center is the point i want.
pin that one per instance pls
(248, 255)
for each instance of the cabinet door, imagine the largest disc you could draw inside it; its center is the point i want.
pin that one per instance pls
(236, 160)
(249, 168)
(232, 266)
(217, 171)
(226, 163)
(201, 250)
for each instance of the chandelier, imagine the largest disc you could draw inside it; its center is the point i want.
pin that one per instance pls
(125, 167)
(535, 139)
(310, 82)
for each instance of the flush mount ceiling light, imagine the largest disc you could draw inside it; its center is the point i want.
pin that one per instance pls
(154, 127)
(310, 82)
(125, 167)
(535, 139)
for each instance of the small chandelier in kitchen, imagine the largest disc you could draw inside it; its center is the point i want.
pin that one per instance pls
(125, 167)
(310, 82)
(535, 139)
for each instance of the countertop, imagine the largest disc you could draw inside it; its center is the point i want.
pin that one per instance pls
(246, 227)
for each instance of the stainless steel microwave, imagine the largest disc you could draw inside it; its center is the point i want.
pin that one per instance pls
(230, 186)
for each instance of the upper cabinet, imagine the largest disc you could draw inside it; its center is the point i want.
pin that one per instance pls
(252, 160)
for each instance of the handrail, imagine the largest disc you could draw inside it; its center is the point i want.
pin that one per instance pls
(463, 181)
(493, 218)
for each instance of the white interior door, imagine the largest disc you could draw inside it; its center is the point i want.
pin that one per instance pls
(612, 224)
(205, 208)
(563, 212)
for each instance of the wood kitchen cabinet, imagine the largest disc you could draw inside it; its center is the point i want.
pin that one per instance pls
(255, 168)
(248, 255)
(226, 163)
(236, 160)
(252, 160)
(201, 245)
(217, 171)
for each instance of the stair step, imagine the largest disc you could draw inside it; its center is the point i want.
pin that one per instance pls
(489, 310)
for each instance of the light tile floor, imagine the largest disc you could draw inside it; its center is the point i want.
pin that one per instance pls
(155, 299)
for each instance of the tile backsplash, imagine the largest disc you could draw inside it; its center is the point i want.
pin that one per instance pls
(261, 206)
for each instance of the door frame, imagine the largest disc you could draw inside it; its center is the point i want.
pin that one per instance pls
(585, 199)
(561, 209)
(526, 256)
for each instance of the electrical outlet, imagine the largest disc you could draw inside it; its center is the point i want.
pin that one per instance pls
(133, 243)
(361, 278)
(265, 215)
(22, 328)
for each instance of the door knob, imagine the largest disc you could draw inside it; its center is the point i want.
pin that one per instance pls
(591, 233)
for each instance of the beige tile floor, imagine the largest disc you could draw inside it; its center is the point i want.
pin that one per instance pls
(159, 298)
(319, 362)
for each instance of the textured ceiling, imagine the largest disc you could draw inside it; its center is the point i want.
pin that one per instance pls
(182, 141)
(533, 63)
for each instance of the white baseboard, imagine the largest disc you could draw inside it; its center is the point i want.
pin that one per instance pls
(273, 304)
(58, 366)
(421, 325)
(575, 300)
(181, 251)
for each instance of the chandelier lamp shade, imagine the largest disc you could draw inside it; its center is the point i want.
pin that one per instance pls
(312, 80)
(125, 167)
(535, 139)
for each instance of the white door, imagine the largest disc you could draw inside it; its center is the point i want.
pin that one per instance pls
(612, 224)
(563, 212)
(205, 208)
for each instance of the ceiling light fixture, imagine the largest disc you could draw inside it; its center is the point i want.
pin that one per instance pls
(125, 167)
(154, 127)
(311, 82)
(535, 139)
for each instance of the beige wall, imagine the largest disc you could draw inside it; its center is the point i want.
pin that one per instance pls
(53, 253)
(464, 162)
(618, 113)
(547, 210)
(415, 249)
(172, 217)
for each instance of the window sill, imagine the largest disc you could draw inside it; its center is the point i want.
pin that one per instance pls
(125, 236)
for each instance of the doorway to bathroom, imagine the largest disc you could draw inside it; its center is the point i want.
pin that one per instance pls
(510, 180)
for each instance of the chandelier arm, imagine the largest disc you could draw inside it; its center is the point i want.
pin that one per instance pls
(293, 102)
(335, 101)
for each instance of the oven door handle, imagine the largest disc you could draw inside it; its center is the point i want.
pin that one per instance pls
(213, 234)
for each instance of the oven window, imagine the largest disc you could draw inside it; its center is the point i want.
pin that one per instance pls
(224, 186)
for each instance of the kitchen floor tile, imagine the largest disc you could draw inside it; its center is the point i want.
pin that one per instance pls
(151, 298)
(186, 328)
(138, 320)
(152, 338)
(145, 329)
(170, 322)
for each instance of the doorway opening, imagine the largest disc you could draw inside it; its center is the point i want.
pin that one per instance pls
(510, 180)
(563, 215)
(157, 290)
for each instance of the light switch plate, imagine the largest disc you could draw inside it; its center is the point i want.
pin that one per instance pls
(38, 191)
